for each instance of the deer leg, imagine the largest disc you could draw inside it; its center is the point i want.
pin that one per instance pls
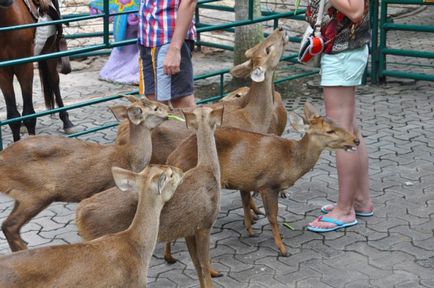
(6, 85)
(25, 78)
(192, 249)
(254, 207)
(202, 246)
(64, 116)
(248, 221)
(23, 211)
(270, 199)
(168, 254)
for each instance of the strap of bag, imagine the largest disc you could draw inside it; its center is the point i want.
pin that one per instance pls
(317, 31)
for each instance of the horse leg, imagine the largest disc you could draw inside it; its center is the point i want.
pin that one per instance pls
(24, 74)
(7, 87)
(64, 116)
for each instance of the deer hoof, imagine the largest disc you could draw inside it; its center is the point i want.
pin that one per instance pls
(283, 253)
(23, 129)
(170, 259)
(70, 130)
(215, 273)
(283, 194)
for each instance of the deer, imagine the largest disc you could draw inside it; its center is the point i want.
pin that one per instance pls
(261, 109)
(39, 170)
(249, 161)
(116, 260)
(269, 164)
(191, 212)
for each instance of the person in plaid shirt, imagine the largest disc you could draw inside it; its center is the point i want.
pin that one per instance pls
(166, 41)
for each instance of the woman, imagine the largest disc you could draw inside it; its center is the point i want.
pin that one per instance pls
(345, 27)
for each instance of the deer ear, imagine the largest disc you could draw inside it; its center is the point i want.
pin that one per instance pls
(297, 122)
(217, 115)
(242, 70)
(190, 119)
(161, 182)
(125, 180)
(135, 114)
(120, 112)
(310, 111)
(131, 98)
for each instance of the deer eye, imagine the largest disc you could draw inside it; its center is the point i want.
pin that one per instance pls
(268, 49)
(331, 132)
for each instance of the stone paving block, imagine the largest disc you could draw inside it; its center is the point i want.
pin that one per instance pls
(304, 273)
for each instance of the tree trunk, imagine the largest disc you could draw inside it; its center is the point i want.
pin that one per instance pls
(249, 35)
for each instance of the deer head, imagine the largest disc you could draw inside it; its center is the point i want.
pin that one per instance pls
(142, 111)
(263, 57)
(213, 117)
(156, 180)
(325, 132)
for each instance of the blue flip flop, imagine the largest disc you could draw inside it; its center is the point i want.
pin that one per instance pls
(339, 225)
(358, 213)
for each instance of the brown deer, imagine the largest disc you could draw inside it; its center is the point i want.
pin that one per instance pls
(249, 162)
(267, 163)
(42, 169)
(117, 260)
(192, 210)
(261, 109)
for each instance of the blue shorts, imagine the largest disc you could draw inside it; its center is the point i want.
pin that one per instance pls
(153, 81)
(344, 68)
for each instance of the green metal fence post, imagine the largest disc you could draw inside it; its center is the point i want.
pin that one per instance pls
(106, 19)
(374, 43)
(197, 20)
(381, 55)
(251, 6)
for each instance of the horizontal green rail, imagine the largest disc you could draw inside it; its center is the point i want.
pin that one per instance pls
(409, 53)
(105, 47)
(408, 27)
(382, 50)
(410, 75)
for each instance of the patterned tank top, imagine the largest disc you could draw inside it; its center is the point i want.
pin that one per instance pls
(339, 32)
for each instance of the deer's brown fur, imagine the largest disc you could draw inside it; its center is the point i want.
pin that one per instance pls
(261, 109)
(192, 210)
(42, 169)
(117, 260)
(267, 163)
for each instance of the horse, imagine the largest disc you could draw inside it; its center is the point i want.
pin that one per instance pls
(19, 44)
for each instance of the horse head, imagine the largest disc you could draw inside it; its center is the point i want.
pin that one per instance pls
(6, 3)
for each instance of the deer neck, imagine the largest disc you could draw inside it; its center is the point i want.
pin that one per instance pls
(306, 154)
(143, 230)
(207, 150)
(139, 147)
(261, 97)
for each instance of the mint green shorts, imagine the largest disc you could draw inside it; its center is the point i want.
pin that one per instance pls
(344, 68)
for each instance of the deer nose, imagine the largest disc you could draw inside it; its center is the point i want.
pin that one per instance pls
(357, 142)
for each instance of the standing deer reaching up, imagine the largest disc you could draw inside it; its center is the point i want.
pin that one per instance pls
(191, 212)
(117, 260)
(39, 170)
(267, 163)
(261, 109)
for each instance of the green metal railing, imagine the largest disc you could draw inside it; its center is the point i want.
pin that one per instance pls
(379, 67)
(106, 44)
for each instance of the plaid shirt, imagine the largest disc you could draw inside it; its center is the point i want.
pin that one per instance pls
(157, 22)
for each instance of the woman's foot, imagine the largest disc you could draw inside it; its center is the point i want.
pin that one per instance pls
(360, 210)
(340, 219)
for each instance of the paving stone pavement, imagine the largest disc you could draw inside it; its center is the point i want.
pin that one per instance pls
(394, 248)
